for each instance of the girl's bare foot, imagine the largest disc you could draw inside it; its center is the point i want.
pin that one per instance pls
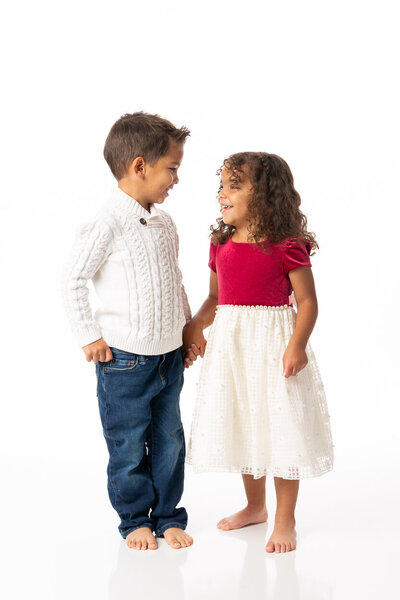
(247, 516)
(141, 539)
(283, 538)
(177, 538)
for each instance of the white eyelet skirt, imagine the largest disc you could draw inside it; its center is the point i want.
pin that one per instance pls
(248, 417)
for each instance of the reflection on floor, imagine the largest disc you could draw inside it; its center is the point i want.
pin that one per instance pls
(71, 549)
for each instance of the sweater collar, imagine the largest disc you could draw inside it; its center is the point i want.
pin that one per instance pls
(131, 206)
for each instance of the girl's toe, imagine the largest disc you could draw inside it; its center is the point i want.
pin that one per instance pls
(270, 547)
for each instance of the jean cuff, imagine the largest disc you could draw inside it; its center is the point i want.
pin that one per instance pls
(149, 525)
(160, 531)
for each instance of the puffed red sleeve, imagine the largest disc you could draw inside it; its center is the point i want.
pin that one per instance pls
(295, 254)
(213, 253)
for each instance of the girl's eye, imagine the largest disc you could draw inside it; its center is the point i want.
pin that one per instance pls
(172, 168)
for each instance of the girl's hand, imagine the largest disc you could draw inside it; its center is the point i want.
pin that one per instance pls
(294, 359)
(194, 342)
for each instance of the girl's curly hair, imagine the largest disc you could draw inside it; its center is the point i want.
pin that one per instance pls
(274, 212)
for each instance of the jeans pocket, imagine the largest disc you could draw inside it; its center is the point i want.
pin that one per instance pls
(124, 362)
(119, 365)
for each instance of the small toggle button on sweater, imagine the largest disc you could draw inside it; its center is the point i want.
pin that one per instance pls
(131, 256)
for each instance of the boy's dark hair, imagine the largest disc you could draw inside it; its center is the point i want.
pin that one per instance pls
(139, 134)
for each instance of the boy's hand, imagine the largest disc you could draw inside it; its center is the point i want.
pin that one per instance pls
(97, 351)
(194, 342)
(294, 359)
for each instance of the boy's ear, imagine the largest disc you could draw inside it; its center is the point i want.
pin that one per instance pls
(137, 167)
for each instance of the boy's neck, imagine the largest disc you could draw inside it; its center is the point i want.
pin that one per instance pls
(127, 189)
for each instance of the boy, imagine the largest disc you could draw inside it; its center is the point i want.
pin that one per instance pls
(130, 251)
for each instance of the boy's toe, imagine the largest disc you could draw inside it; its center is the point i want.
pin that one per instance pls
(177, 538)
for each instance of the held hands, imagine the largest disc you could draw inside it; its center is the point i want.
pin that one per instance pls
(294, 359)
(194, 343)
(97, 351)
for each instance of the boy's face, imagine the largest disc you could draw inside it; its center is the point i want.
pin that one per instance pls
(163, 175)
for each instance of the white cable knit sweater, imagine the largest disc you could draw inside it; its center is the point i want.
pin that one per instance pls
(132, 258)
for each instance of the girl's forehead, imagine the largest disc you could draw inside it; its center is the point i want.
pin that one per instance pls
(241, 174)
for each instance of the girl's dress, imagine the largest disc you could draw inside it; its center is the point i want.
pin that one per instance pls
(248, 417)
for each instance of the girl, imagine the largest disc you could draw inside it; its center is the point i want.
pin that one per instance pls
(250, 417)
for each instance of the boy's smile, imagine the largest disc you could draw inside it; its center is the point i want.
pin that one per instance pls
(160, 178)
(151, 184)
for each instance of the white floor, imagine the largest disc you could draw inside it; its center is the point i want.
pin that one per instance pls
(62, 541)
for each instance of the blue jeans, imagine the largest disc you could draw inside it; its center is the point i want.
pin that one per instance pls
(139, 410)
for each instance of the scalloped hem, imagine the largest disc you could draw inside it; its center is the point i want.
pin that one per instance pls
(292, 473)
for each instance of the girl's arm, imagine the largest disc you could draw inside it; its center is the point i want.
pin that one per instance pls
(295, 358)
(194, 342)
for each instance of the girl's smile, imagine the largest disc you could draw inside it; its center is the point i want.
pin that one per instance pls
(234, 195)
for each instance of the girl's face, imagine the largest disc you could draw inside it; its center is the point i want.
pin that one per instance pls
(234, 196)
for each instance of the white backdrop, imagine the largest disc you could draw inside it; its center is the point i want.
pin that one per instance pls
(317, 83)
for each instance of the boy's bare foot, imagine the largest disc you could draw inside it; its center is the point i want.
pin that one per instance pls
(141, 539)
(177, 538)
(283, 538)
(247, 516)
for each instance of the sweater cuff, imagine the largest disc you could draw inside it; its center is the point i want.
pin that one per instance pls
(87, 334)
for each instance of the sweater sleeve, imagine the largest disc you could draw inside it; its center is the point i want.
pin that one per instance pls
(185, 302)
(186, 306)
(91, 249)
(295, 254)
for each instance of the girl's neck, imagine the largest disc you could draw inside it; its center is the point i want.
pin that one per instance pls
(240, 236)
